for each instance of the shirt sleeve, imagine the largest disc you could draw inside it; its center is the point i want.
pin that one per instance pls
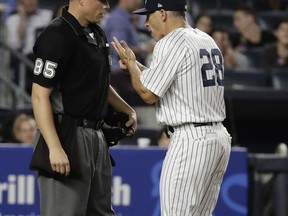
(159, 77)
(52, 51)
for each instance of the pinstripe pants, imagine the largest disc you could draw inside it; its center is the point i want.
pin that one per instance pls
(193, 170)
(88, 196)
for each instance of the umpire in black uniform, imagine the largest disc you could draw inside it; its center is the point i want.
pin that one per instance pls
(70, 96)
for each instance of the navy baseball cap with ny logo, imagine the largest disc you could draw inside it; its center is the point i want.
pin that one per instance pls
(169, 5)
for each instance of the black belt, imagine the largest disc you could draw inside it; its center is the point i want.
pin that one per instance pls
(204, 124)
(171, 129)
(81, 122)
(85, 123)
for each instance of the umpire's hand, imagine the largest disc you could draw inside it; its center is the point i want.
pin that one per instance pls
(59, 160)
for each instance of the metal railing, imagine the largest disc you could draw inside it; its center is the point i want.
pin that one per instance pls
(12, 96)
(275, 167)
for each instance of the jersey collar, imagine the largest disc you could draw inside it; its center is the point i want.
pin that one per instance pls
(73, 22)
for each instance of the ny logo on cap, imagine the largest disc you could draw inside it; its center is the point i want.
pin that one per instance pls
(160, 5)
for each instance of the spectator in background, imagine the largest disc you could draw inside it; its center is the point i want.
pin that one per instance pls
(275, 55)
(24, 129)
(232, 58)
(3, 9)
(249, 33)
(204, 22)
(120, 24)
(144, 36)
(23, 27)
(8, 6)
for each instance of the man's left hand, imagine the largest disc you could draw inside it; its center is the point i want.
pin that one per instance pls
(132, 123)
(124, 51)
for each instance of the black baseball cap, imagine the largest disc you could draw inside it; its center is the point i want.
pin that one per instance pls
(169, 5)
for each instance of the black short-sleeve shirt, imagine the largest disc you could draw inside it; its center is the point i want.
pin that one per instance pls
(75, 64)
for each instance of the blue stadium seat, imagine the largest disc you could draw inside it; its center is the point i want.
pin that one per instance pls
(247, 78)
(280, 78)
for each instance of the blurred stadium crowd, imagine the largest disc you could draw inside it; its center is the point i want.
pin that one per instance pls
(252, 35)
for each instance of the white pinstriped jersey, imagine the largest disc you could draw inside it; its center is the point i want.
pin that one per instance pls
(187, 74)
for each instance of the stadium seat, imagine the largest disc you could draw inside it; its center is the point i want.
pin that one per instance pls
(222, 19)
(247, 78)
(280, 79)
(223, 4)
(271, 18)
(254, 55)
